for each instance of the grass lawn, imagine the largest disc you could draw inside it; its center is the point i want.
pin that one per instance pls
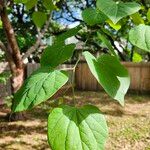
(129, 127)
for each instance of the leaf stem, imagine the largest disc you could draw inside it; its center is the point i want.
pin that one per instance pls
(73, 81)
(73, 76)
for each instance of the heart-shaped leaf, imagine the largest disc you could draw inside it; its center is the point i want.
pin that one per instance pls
(40, 86)
(69, 33)
(140, 37)
(39, 18)
(117, 10)
(48, 4)
(116, 26)
(71, 128)
(107, 43)
(137, 19)
(30, 4)
(93, 16)
(57, 54)
(112, 76)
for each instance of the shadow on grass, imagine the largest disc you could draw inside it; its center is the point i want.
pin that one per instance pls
(40, 113)
(12, 145)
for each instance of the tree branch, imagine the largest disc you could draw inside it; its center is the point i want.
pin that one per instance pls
(10, 36)
(122, 56)
(2, 46)
(8, 55)
(38, 41)
(91, 42)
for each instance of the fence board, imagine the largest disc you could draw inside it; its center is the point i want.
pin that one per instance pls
(139, 73)
(5, 89)
(31, 68)
(145, 78)
(84, 80)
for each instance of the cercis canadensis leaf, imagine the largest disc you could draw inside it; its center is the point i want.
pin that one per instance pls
(71, 128)
(30, 4)
(116, 26)
(67, 34)
(112, 75)
(107, 43)
(93, 16)
(39, 87)
(140, 36)
(137, 19)
(117, 10)
(57, 54)
(39, 18)
(48, 4)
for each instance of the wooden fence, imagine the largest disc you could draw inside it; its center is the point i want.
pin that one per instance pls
(5, 89)
(139, 73)
(32, 67)
(84, 80)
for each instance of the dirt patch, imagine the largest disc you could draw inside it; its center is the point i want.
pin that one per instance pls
(129, 127)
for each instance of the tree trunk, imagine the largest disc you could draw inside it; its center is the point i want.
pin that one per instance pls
(16, 82)
(13, 56)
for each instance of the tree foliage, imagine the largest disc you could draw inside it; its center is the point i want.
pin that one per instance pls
(115, 32)
(72, 127)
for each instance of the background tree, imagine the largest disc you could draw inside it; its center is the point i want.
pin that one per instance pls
(70, 127)
(70, 13)
(25, 34)
(22, 37)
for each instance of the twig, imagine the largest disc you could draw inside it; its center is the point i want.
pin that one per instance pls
(7, 54)
(67, 69)
(73, 80)
(38, 41)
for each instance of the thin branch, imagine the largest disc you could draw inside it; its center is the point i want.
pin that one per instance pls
(10, 36)
(32, 49)
(93, 43)
(38, 42)
(122, 56)
(2, 46)
(8, 55)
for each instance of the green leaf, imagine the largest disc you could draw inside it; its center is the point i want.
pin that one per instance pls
(71, 128)
(30, 4)
(20, 1)
(1, 24)
(107, 32)
(39, 87)
(57, 54)
(116, 26)
(67, 34)
(48, 4)
(137, 57)
(148, 15)
(140, 37)
(115, 11)
(107, 43)
(39, 18)
(93, 16)
(137, 19)
(112, 76)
